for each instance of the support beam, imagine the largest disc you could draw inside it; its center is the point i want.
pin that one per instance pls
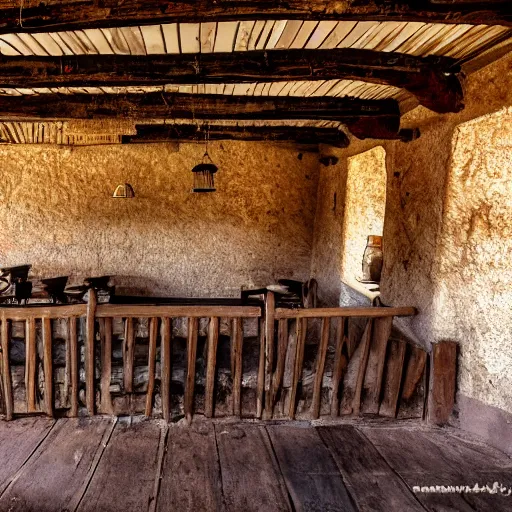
(431, 79)
(192, 133)
(364, 118)
(73, 14)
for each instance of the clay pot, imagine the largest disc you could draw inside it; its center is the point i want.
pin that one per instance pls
(373, 259)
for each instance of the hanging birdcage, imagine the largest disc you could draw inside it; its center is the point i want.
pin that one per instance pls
(204, 172)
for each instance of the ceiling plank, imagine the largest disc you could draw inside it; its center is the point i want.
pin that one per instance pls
(432, 80)
(151, 133)
(365, 119)
(66, 14)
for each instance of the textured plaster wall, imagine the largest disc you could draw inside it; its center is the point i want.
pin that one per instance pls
(447, 247)
(474, 274)
(57, 213)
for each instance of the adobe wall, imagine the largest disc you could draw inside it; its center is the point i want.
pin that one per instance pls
(57, 213)
(447, 237)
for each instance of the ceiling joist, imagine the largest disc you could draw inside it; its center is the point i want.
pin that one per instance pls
(431, 80)
(153, 133)
(364, 118)
(72, 14)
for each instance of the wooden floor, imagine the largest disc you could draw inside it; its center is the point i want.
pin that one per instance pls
(100, 464)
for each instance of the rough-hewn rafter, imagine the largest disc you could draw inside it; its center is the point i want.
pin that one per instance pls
(192, 132)
(64, 14)
(364, 118)
(430, 79)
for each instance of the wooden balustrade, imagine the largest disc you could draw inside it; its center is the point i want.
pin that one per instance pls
(282, 362)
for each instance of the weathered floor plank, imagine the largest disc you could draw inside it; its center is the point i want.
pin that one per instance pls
(190, 479)
(125, 477)
(432, 457)
(18, 439)
(311, 475)
(58, 468)
(251, 479)
(372, 483)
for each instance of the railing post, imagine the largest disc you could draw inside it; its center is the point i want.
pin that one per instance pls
(270, 305)
(6, 369)
(213, 340)
(48, 366)
(442, 380)
(89, 351)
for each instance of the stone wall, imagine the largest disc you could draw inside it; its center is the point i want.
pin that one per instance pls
(57, 213)
(447, 235)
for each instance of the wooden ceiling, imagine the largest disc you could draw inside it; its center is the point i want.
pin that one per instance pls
(354, 65)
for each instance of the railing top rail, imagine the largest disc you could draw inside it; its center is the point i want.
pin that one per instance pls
(60, 311)
(375, 312)
(142, 311)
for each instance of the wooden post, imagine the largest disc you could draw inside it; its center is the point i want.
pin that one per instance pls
(90, 392)
(237, 380)
(282, 346)
(414, 371)
(365, 350)
(106, 365)
(260, 386)
(128, 355)
(47, 366)
(191, 367)
(299, 360)
(6, 369)
(319, 371)
(443, 372)
(270, 305)
(165, 367)
(153, 331)
(73, 358)
(393, 378)
(340, 364)
(213, 339)
(30, 364)
(372, 383)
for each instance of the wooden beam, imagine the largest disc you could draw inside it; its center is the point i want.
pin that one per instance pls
(431, 79)
(191, 132)
(358, 312)
(364, 118)
(72, 14)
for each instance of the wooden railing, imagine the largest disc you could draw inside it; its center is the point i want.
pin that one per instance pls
(276, 339)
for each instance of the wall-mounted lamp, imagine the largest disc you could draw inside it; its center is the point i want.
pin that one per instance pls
(123, 191)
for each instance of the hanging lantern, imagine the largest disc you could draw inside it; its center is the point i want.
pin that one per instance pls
(203, 176)
(123, 191)
(204, 172)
